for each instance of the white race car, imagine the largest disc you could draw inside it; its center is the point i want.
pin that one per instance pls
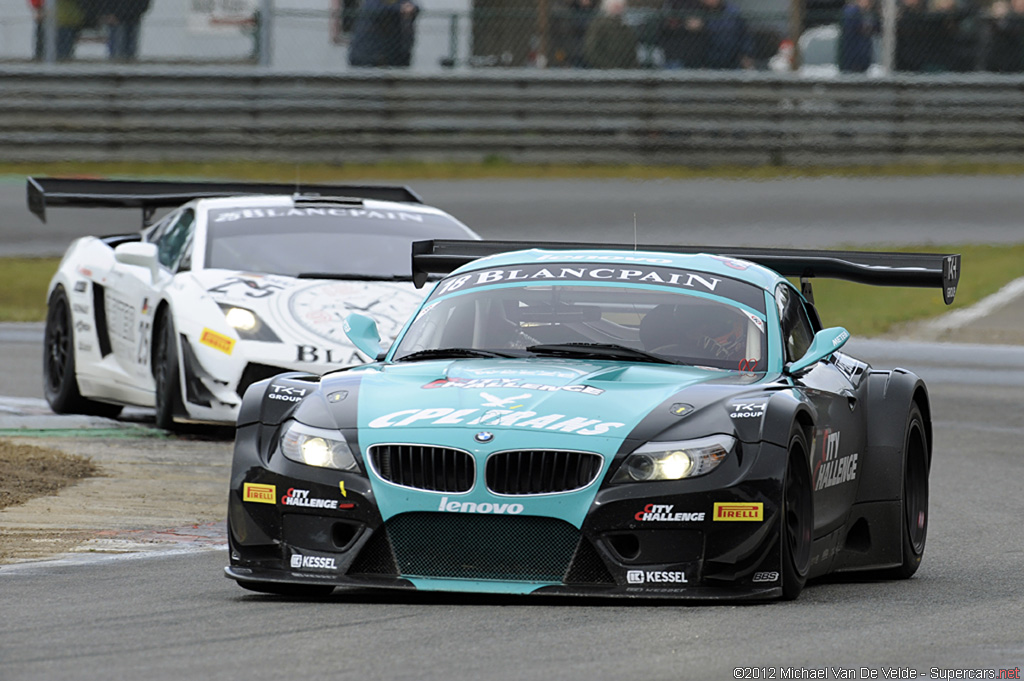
(237, 283)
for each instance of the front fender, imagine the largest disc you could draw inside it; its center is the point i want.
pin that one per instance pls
(273, 400)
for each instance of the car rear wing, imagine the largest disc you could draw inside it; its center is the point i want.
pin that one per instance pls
(152, 194)
(440, 256)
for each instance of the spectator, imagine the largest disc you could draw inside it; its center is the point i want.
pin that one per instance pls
(912, 36)
(953, 37)
(610, 43)
(728, 43)
(123, 21)
(581, 13)
(70, 19)
(1005, 53)
(384, 33)
(39, 36)
(682, 37)
(857, 30)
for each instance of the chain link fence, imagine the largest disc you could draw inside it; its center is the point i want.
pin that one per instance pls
(813, 37)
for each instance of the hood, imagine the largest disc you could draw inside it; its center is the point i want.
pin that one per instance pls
(313, 307)
(527, 396)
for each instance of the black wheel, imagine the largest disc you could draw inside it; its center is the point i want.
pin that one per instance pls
(797, 518)
(165, 374)
(296, 590)
(915, 496)
(60, 384)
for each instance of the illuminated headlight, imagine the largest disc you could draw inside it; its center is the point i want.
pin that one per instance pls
(241, 319)
(317, 447)
(248, 325)
(674, 460)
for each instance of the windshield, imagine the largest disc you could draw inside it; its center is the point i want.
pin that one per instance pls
(616, 322)
(328, 241)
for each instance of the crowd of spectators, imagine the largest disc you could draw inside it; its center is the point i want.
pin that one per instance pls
(932, 36)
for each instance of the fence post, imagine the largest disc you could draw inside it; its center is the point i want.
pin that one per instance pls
(265, 31)
(453, 40)
(889, 35)
(50, 31)
(796, 29)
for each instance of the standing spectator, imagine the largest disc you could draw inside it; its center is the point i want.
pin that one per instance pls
(912, 35)
(952, 37)
(39, 37)
(581, 13)
(728, 44)
(70, 20)
(858, 28)
(610, 43)
(123, 19)
(682, 37)
(384, 33)
(1005, 52)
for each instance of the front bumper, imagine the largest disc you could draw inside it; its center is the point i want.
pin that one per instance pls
(652, 540)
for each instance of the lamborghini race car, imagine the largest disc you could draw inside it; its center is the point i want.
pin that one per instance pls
(668, 422)
(236, 283)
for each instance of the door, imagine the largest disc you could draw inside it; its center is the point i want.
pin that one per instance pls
(132, 294)
(838, 437)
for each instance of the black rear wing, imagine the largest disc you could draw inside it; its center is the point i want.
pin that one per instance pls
(440, 256)
(152, 194)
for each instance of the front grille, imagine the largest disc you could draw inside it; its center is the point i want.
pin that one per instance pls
(538, 471)
(475, 546)
(437, 469)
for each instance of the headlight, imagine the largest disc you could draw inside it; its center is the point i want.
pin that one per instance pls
(247, 324)
(674, 460)
(317, 447)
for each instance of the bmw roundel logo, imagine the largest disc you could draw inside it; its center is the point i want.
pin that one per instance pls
(483, 436)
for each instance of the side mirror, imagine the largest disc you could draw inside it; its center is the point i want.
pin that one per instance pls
(139, 254)
(363, 333)
(824, 344)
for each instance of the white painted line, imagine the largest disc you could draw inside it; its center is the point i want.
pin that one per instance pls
(968, 315)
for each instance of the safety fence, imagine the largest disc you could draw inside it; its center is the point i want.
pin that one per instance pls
(695, 118)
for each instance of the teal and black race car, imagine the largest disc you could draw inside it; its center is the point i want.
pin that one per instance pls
(662, 422)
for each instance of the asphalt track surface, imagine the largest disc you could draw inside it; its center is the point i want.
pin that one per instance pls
(173, 616)
(810, 213)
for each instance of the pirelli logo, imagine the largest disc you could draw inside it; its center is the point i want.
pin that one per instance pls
(261, 494)
(217, 341)
(739, 511)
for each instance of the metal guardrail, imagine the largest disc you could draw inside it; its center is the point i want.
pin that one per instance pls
(688, 118)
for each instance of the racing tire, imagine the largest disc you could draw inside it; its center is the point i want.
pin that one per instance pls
(914, 503)
(295, 590)
(166, 380)
(797, 518)
(60, 382)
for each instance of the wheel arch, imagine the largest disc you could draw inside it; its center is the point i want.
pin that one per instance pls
(890, 395)
(163, 309)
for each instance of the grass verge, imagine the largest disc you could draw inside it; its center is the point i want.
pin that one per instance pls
(864, 310)
(495, 167)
